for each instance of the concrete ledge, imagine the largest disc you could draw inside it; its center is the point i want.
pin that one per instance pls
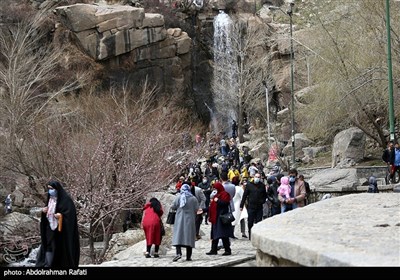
(351, 230)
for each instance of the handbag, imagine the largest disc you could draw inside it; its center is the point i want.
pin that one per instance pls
(171, 217)
(60, 223)
(162, 228)
(227, 218)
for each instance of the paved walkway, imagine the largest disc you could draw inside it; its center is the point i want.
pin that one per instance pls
(243, 254)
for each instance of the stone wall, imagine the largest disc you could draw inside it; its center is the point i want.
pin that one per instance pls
(362, 173)
(352, 230)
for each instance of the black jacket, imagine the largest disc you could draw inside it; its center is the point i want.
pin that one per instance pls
(388, 156)
(256, 195)
(272, 194)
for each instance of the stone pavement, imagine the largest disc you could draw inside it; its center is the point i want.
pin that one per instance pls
(243, 254)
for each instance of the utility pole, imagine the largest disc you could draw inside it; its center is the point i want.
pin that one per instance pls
(390, 79)
(268, 125)
(289, 12)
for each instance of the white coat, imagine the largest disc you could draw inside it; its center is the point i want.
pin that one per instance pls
(236, 201)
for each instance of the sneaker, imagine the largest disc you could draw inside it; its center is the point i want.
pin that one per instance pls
(212, 253)
(156, 255)
(189, 260)
(147, 255)
(244, 235)
(226, 253)
(177, 257)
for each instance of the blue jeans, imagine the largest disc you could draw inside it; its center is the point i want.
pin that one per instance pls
(287, 207)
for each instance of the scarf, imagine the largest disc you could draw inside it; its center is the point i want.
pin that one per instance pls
(51, 210)
(221, 195)
(185, 193)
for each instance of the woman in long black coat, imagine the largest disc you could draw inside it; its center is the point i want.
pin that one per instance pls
(220, 205)
(58, 230)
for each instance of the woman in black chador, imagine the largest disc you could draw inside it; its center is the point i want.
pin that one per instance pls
(58, 230)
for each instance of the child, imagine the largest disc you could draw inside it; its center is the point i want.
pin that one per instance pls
(284, 191)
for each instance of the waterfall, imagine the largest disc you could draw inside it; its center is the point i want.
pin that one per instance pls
(225, 69)
(222, 37)
(214, 122)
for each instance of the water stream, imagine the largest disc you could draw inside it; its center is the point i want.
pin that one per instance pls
(225, 69)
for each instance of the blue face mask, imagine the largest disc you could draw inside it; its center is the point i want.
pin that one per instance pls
(52, 192)
(292, 179)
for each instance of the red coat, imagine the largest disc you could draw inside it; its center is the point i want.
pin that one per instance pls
(151, 225)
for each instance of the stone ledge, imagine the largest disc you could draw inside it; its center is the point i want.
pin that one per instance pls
(351, 230)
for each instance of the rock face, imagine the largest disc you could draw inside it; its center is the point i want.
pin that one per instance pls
(348, 147)
(107, 31)
(125, 37)
(351, 230)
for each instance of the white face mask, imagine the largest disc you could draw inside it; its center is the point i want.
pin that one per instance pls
(204, 181)
(256, 180)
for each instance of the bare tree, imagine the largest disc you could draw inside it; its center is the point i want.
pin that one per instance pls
(238, 70)
(110, 153)
(352, 78)
(29, 79)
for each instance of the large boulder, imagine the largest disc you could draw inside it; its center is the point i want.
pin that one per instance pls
(301, 141)
(348, 147)
(335, 179)
(123, 240)
(351, 230)
(17, 226)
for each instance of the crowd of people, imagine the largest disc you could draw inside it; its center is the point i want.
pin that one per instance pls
(230, 182)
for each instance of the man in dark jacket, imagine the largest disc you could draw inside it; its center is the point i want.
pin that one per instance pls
(388, 156)
(255, 194)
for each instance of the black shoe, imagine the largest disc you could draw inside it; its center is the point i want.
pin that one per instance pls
(177, 257)
(189, 260)
(212, 253)
(147, 255)
(226, 253)
(244, 235)
(206, 223)
(156, 255)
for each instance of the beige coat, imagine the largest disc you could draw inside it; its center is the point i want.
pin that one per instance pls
(299, 193)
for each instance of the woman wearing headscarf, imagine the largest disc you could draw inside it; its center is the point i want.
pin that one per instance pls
(58, 230)
(219, 205)
(184, 232)
(151, 223)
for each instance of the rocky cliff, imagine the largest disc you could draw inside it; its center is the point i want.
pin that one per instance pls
(106, 32)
